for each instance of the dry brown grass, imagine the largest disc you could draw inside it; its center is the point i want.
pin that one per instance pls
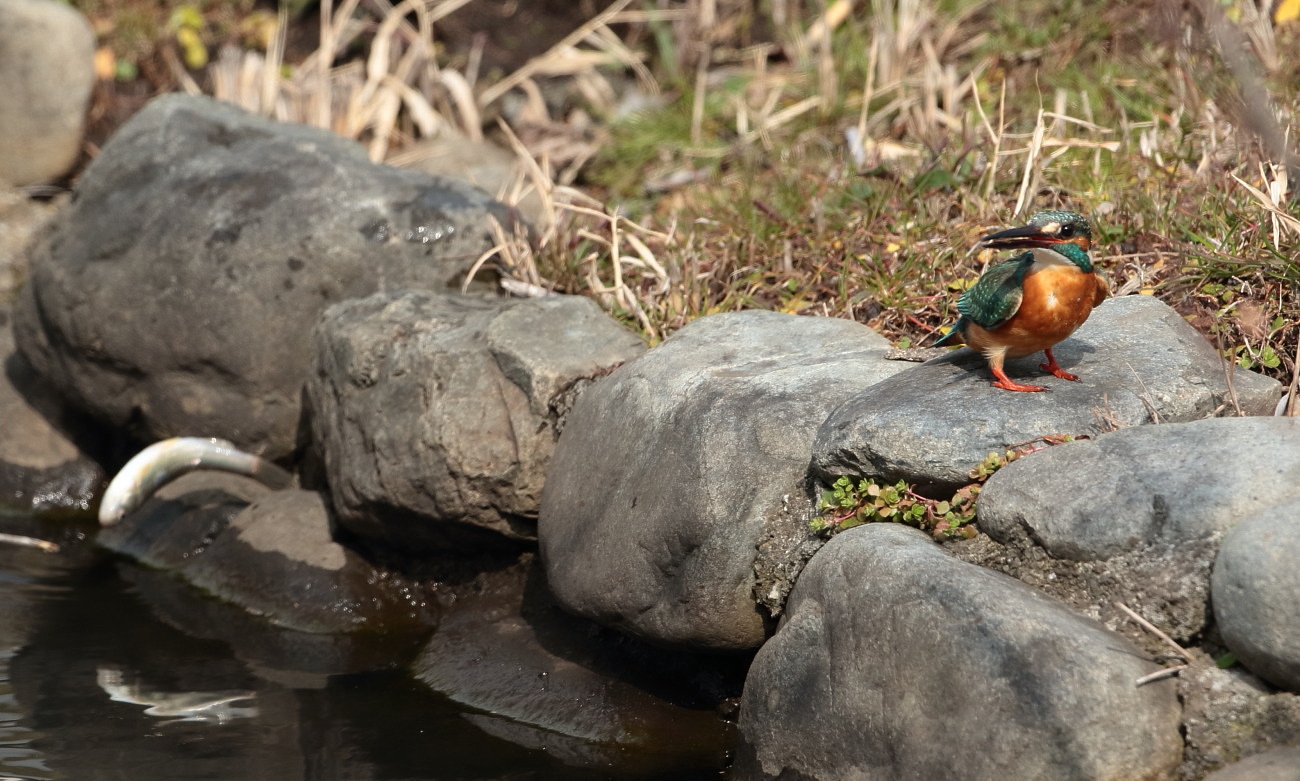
(944, 119)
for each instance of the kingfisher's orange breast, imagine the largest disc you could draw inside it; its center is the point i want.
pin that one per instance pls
(1058, 297)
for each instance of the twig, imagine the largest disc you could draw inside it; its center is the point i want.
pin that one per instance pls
(1048, 440)
(1229, 369)
(1153, 629)
(1031, 160)
(1145, 396)
(1158, 675)
(1166, 639)
(29, 542)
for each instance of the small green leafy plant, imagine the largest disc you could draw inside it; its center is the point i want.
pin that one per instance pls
(848, 503)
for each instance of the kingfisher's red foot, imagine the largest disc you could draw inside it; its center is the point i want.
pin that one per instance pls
(1055, 368)
(1006, 383)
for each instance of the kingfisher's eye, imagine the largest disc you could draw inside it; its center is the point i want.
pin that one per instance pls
(1067, 231)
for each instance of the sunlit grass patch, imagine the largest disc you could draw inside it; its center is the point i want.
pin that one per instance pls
(842, 159)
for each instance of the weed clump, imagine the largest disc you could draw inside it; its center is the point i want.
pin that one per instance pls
(870, 500)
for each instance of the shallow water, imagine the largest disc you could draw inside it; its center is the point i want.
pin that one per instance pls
(111, 671)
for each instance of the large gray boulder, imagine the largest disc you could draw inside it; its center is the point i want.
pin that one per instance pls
(683, 468)
(1256, 593)
(1136, 516)
(1138, 361)
(270, 552)
(177, 292)
(896, 660)
(436, 415)
(47, 68)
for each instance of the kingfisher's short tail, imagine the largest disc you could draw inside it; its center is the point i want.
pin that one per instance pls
(954, 336)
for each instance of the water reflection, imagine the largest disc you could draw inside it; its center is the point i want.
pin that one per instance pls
(17, 758)
(214, 707)
(111, 671)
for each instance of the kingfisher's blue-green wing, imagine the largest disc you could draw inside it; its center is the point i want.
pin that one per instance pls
(996, 295)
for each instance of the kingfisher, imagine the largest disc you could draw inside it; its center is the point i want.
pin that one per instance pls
(1034, 300)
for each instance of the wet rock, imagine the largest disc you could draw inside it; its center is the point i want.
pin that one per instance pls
(1138, 360)
(1278, 765)
(923, 658)
(287, 656)
(1229, 715)
(436, 414)
(47, 53)
(269, 552)
(1256, 592)
(1136, 515)
(42, 468)
(673, 470)
(228, 234)
(557, 681)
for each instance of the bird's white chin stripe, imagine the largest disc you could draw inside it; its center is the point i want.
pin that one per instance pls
(1048, 256)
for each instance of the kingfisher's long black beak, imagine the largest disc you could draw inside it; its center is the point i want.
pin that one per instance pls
(1016, 238)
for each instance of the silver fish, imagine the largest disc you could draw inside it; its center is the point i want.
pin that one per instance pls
(164, 461)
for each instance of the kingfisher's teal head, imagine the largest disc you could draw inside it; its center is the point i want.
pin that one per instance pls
(1067, 233)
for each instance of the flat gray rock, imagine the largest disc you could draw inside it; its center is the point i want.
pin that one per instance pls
(270, 552)
(1138, 362)
(896, 660)
(1256, 593)
(1175, 483)
(47, 53)
(680, 469)
(436, 414)
(176, 293)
